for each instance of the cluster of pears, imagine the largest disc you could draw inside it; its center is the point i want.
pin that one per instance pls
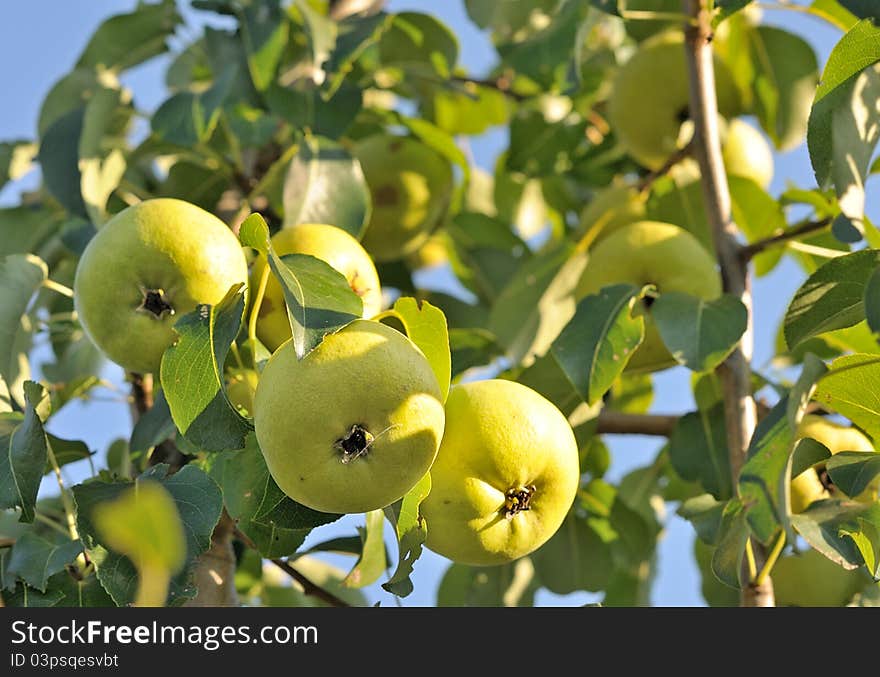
(357, 422)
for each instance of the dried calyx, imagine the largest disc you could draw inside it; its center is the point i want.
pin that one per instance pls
(156, 303)
(355, 443)
(518, 499)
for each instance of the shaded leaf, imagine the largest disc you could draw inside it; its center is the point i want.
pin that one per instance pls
(698, 450)
(21, 275)
(871, 301)
(853, 471)
(828, 526)
(372, 560)
(411, 531)
(153, 427)
(577, 557)
(733, 534)
(705, 513)
(24, 454)
(34, 559)
(59, 161)
(510, 585)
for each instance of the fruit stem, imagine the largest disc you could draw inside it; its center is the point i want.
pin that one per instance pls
(258, 301)
(58, 287)
(771, 560)
(750, 560)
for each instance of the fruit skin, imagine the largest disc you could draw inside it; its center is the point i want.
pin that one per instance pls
(811, 579)
(500, 436)
(651, 252)
(807, 487)
(241, 384)
(746, 153)
(162, 244)
(610, 209)
(410, 186)
(328, 243)
(649, 100)
(368, 375)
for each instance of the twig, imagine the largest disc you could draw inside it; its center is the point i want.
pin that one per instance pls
(500, 84)
(308, 587)
(735, 373)
(682, 153)
(141, 393)
(806, 228)
(619, 423)
(7, 542)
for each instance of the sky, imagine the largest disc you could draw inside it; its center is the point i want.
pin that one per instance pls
(41, 39)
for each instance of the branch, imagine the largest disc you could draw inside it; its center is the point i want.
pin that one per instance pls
(7, 542)
(500, 84)
(682, 153)
(806, 228)
(619, 423)
(308, 587)
(141, 394)
(735, 373)
(215, 571)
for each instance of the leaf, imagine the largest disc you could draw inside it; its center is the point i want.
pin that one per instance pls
(802, 392)
(16, 160)
(419, 42)
(786, 73)
(275, 523)
(757, 214)
(700, 334)
(192, 379)
(764, 478)
(34, 559)
(828, 527)
(471, 111)
(704, 513)
(153, 427)
(871, 301)
(189, 118)
(325, 184)
(62, 590)
(319, 299)
(698, 451)
(864, 9)
(59, 161)
(510, 585)
(142, 523)
(597, 343)
(198, 501)
(728, 556)
(472, 348)
(125, 40)
(856, 51)
(66, 451)
(101, 145)
(356, 35)
(833, 13)
(372, 561)
(867, 540)
(425, 326)
(578, 556)
(853, 471)
(23, 443)
(25, 229)
(831, 298)
(411, 531)
(852, 388)
(264, 31)
(21, 275)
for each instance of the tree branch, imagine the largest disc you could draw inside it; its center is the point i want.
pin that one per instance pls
(215, 570)
(682, 153)
(500, 84)
(619, 423)
(806, 228)
(735, 373)
(308, 587)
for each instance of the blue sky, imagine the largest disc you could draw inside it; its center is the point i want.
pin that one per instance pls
(41, 39)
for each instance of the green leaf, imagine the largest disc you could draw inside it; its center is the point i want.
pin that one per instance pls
(372, 560)
(763, 480)
(864, 9)
(700, 334)
(153, 427)
(420, 43)
(578, 556)
(853, 471)
(543, 147)
(199, 503)
(319, 29)
(125, 40)
(66, 451)
(21, 275)
(705, 513)
(786, 73)
(831, 298)
(71, 92)
(828, 525)
(856, 51)
(871, 301)
(867, 540)
(757, 214)
(597, 343)
(852, 388)
(192, 375)
(802, 392)
(698, 451)
(101, 149)
(264, 31)
(425, 326)
(16, 160)
(411, 531)
(513, 584)
(733, 534)
(275, 523)
(807, 453)
(188, 118)
(832, 12)
(34, 559)
(470, 111)
(472, 348)
(325, 184)
(25, 229)
(356, 35)
(23, 443)
(59, 161)
(319, 299)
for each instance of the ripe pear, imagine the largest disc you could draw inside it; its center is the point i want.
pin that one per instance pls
(651, 252)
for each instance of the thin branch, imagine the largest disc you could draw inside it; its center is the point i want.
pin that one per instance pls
(141, 394)
(740, 414)
(500, 84)
(308, 587)
(618, 423)
(806, 228)
(7, 542)
(682, 153)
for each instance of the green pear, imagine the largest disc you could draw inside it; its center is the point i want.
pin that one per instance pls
(811, 579)
(746, 153)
